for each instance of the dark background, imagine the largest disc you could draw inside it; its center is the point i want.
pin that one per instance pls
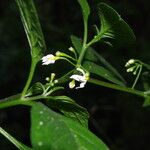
(116, 117)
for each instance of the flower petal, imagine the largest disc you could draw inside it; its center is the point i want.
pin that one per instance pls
(48, 59)
(72, 84)
(77, 78)
(82, 85)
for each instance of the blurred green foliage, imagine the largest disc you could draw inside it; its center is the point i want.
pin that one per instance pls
(116, 117)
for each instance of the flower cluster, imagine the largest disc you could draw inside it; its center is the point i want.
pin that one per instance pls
(130, 62)
(81, 76)
(133, 66)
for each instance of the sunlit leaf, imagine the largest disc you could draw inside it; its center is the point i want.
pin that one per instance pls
(50, 130)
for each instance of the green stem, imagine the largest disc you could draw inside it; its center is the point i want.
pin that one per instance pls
(95, 39)
(83, 50)
(67, 60)
(18, 144)
(140, 70)
(85, 32)
(10, 103)
(53, 90)
(65, 78)
(27, 101)
(117, 87)
(32, 70)
(85, 46)
(66, 55)
(91, 42)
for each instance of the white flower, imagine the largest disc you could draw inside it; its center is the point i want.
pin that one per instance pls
(130, 62)
(71, 49)
(49, 59)
(80, 78)
(47, 79)
(131, 69)
(58, 53)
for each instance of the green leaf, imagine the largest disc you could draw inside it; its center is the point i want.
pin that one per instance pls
(101, 71)
(50, 130)
(77, 43)
(92, 55)
(70, 109)
(32, 28)
(36, 89)
(18, 144)
(85, 9)
(113, 28)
